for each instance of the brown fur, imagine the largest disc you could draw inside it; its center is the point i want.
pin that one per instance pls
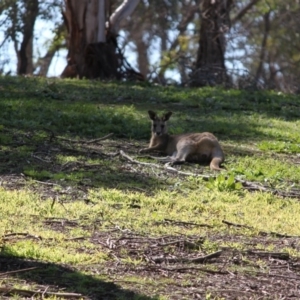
(193, 147)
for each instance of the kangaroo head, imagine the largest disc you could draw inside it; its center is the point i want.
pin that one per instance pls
(159, 126)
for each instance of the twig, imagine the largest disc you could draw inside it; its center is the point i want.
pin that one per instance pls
(126, 156)
(186, 223)
(236, 225)
(85, 141)
(46, 289)
(253, 186)
(52, 135)
(186, 243)
(167, 167)
(180, 269)
(46, 183)
(279, 255)
(99, 139)
(160, 259)
(26, 235)
(75, 238)
(273, 275)
(12, 291)
(63, 222)
(206, 257)
(40, 159)
(235, 291)
(18, 271)
(260, 232)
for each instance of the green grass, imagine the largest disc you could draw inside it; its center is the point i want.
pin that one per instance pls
(72, 208)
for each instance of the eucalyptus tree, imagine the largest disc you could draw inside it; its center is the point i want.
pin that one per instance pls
(91, 39)
(18, 25)
(210, 66)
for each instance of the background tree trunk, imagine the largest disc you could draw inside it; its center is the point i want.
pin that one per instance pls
(93, 51)
(210, 65)
(86, 40)
(263, 46)
(25, 64)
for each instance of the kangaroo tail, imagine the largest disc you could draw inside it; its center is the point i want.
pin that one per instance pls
(217, 158)
(215, 163)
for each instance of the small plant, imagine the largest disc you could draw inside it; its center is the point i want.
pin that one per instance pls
(222, 183)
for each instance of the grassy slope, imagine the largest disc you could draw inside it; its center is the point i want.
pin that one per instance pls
(72, 198)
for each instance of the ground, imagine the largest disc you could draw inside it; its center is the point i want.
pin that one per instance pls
(85, 216)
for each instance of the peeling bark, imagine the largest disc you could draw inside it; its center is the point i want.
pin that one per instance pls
(122, 12)
(93, 51)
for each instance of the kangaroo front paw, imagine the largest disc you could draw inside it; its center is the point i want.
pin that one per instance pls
(143, 150)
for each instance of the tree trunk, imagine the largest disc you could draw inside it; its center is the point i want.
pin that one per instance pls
(210, 65)
(84, 37)
(25, 65)
(92, 48)
(43, 63)
(263, 46)
(142, 53)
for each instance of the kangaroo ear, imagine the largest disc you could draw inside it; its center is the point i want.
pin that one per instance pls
(152, 114)
(167, 116)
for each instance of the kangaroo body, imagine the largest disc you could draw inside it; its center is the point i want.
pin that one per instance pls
(191, 147)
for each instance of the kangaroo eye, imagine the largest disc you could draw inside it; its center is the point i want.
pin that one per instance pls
(162, 126)
(154, 125)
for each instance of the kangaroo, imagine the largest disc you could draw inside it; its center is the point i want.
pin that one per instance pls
(191, 147)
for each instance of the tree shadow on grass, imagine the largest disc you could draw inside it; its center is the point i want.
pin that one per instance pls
(43, 161)
(42, 279)
(88, 108)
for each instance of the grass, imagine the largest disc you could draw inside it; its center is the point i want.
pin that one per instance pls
(92, 223)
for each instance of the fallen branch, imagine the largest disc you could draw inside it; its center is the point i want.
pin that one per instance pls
(46, 183)
(17, 271)
(185, 243)
(181, 269)
(79, 238)
(40, 159)
(253, 186)
(273, 275)
(99, 139)
(30, 293)
(6, 237)
(264, 233)
(126, 156)
(278, 255)
(85, 141)
(63, 222)
(166, 167)
(185, 223)
(161, 259)
(206, 257)
(75, 165)
(235, 292)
